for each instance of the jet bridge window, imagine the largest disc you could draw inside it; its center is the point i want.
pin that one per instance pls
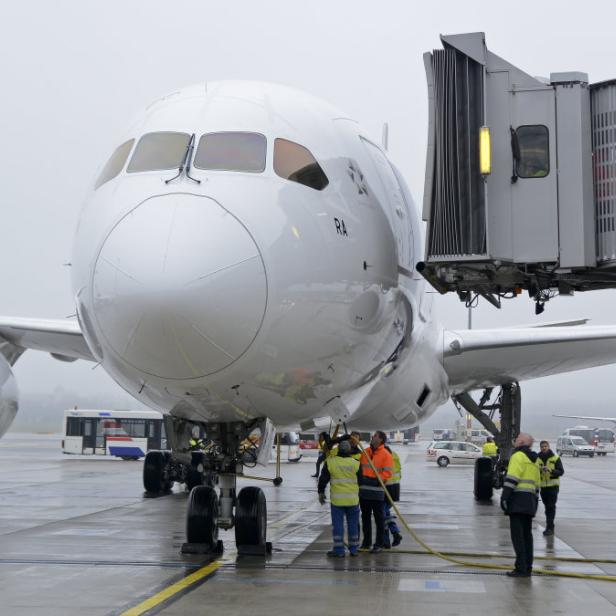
(115, 164)
(159, 152)
(295, 163)
(533, 155)
(231, 151)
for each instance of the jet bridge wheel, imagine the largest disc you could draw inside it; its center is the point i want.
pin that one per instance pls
(251, 521)
(155, 478)
(483, 479)
(202, 516)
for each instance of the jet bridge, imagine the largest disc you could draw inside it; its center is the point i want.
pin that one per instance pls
(520, 188)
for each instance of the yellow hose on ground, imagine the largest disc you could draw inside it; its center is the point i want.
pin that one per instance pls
(466, 563)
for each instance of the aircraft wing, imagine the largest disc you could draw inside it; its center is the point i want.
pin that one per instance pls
(62, 338)
(612, 419)
(474, 359)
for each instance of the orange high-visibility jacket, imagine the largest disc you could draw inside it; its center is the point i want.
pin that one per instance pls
(382, 460)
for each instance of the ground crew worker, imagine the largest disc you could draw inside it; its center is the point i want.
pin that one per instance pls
(519, 501)
(489, 448)
(355, 439)
(197, 444)
(371, 494)
(552, 470)
(393, 487)
(323, 449)
(342, 472)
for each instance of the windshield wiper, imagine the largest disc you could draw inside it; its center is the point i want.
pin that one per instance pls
(185, 164)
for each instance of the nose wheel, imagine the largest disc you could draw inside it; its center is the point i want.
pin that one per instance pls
(251, 522)
(202, 518)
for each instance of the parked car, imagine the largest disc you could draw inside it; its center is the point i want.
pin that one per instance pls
(445, 453)
(574, 445)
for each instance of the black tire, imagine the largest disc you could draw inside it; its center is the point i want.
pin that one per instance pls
(591, 455)
(251, 517)
(443, 461)
(483, 479)
(575, 453)
(202, 516)
(154, 479)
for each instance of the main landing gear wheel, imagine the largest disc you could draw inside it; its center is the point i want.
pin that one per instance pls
(202, 517)
(483, 479)
(155, 478)
(251, 522)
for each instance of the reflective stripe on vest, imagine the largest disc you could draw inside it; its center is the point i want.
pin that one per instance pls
(343, 489)
(550, 465)
(397, 474)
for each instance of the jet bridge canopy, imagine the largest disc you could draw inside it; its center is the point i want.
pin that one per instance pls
(520, 190)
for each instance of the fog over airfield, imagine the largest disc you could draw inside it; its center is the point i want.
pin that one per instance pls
(74, 73)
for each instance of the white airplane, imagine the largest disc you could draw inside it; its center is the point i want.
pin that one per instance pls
(611, 419)
(247, 257)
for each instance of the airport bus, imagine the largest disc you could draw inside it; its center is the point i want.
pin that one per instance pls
(602, 439)
(584, 431)
(289, 447)
(125, 434)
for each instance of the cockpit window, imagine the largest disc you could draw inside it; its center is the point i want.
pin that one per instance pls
(294, 162)
(231, 151)
(159, 151)
(115, 164)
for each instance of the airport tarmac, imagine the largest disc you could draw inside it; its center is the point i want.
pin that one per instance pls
(77, 536)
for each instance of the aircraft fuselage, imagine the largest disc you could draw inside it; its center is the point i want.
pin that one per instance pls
(225, 294)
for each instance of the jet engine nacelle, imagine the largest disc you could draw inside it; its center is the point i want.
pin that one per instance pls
(8, 396)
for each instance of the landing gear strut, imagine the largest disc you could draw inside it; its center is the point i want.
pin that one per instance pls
(489, 473)
(211, 476)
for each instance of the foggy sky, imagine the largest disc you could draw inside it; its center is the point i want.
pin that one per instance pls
(74, 73)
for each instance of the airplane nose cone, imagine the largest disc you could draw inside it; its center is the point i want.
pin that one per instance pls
(179, 287)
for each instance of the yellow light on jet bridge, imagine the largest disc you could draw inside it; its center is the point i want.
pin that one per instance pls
(485, 162)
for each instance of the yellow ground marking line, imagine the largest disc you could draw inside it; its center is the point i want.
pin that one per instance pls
(170, 591)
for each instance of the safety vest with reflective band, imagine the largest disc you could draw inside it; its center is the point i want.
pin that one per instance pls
(523, 479)
(489, 449)
(370, 488)
(549, 465)
(396, 474)
(343, 486)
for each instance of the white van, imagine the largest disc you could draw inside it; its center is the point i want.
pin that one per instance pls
(574, 445)
(478, 437)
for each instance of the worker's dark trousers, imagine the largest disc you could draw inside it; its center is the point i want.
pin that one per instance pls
(522, 539)
(368, 509)
(319, 462)
(549, 496)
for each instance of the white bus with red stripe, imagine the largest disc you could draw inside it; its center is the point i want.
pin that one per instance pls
(125, 434)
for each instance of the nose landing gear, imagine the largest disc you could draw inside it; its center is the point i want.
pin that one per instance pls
(211, 473)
